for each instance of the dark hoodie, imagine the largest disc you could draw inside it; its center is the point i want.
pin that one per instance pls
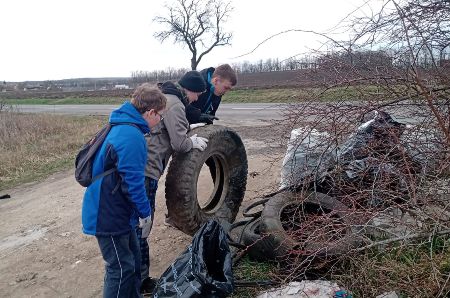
(207, 103)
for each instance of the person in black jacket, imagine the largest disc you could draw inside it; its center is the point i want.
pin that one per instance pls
(219, 81)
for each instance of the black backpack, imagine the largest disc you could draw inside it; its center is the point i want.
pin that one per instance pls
(84, 161)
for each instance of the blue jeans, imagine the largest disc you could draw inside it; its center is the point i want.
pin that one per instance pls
(123, 260)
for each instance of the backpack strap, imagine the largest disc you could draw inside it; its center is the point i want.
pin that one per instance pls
(125, 123)
(115, 168)
(103, 174)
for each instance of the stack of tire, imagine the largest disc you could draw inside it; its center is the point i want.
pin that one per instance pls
(276, 232)
(311, 225)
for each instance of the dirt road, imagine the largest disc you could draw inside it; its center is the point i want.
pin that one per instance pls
(44, 253)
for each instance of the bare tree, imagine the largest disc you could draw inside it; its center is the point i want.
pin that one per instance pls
(197, 24)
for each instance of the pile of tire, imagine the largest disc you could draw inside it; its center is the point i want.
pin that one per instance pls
(311, 225)
(226, 158)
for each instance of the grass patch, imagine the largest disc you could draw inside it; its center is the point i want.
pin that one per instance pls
(67, 101)
(248, 270)
(263, 96)
(417, 270)
(34, 146)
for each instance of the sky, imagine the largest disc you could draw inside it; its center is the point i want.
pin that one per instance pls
(54, 39)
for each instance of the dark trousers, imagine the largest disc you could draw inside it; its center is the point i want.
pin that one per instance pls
(151, 185)
(123, 259)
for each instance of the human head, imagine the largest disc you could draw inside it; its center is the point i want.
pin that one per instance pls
(149, 102)
(193, 83)
(223, 79)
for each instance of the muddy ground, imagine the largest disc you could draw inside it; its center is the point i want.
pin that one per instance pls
(44, 253)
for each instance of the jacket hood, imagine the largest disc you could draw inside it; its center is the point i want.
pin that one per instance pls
(205, 73)
(127, 113)
(174, 89)
(169, 88)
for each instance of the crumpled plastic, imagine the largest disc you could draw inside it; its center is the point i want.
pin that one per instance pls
(308, 152)
(378, 134)
(203, 270)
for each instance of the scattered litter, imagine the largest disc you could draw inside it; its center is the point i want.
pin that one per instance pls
(307, 289)
(75, 264)
(388, 295)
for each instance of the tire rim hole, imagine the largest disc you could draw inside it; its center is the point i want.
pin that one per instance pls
(211, 183)
(310, 223)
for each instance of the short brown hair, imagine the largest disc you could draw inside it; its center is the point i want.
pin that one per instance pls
(225, 71)
(147, 97)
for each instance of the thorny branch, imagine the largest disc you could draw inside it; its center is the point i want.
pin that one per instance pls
(391, 175)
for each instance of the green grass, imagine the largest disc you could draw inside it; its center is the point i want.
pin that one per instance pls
(249, 270)
(405, 269)
(262, 96)
(66, 101)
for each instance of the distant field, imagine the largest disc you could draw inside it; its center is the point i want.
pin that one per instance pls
(234, 96)
(264, 87)
(238, 96)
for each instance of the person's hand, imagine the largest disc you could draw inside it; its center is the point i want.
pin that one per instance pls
(207, 118)
(199, 142)
(192, 126)
(146, 225)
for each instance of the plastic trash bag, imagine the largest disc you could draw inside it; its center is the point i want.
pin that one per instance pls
(426, 146)
(202, 270)
(308, 152)
(376, 135)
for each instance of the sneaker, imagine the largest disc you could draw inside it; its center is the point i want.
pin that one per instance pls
(168, 222)
(148, 285)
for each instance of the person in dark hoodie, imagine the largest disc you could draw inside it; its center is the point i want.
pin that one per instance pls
(114, 204)
(218, 81)
(167, 137)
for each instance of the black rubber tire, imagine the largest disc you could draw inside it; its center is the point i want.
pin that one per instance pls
(230, 164)
(279, 239)
(257, 248)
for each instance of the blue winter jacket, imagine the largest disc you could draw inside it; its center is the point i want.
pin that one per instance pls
(113, 204)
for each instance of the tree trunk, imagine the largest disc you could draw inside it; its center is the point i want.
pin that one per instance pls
(194, 62)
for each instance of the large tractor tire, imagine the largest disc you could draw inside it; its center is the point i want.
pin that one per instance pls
(313, 226)
(227, 161)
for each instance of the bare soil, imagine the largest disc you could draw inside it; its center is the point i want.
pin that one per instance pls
(44, 253)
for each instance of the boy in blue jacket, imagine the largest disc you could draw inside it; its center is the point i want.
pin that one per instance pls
(116, 203)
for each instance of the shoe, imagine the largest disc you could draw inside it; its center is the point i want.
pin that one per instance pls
(148, 285)
(168, 222)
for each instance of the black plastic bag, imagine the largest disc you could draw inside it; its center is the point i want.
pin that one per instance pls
(374, 137)
(202, 270)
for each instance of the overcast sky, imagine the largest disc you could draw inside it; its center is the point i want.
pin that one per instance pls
(54, 39)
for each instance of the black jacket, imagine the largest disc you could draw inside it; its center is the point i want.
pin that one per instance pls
(207, 103)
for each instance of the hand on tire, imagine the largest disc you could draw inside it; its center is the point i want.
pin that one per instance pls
(207, 118)
(199, 142)
(192, 126)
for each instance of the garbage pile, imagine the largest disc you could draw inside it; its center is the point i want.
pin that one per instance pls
(312, 217)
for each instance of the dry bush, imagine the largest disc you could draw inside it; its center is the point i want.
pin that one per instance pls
(32, 145)
(394, 178)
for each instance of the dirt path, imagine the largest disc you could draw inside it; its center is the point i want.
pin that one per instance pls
(44, 253)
